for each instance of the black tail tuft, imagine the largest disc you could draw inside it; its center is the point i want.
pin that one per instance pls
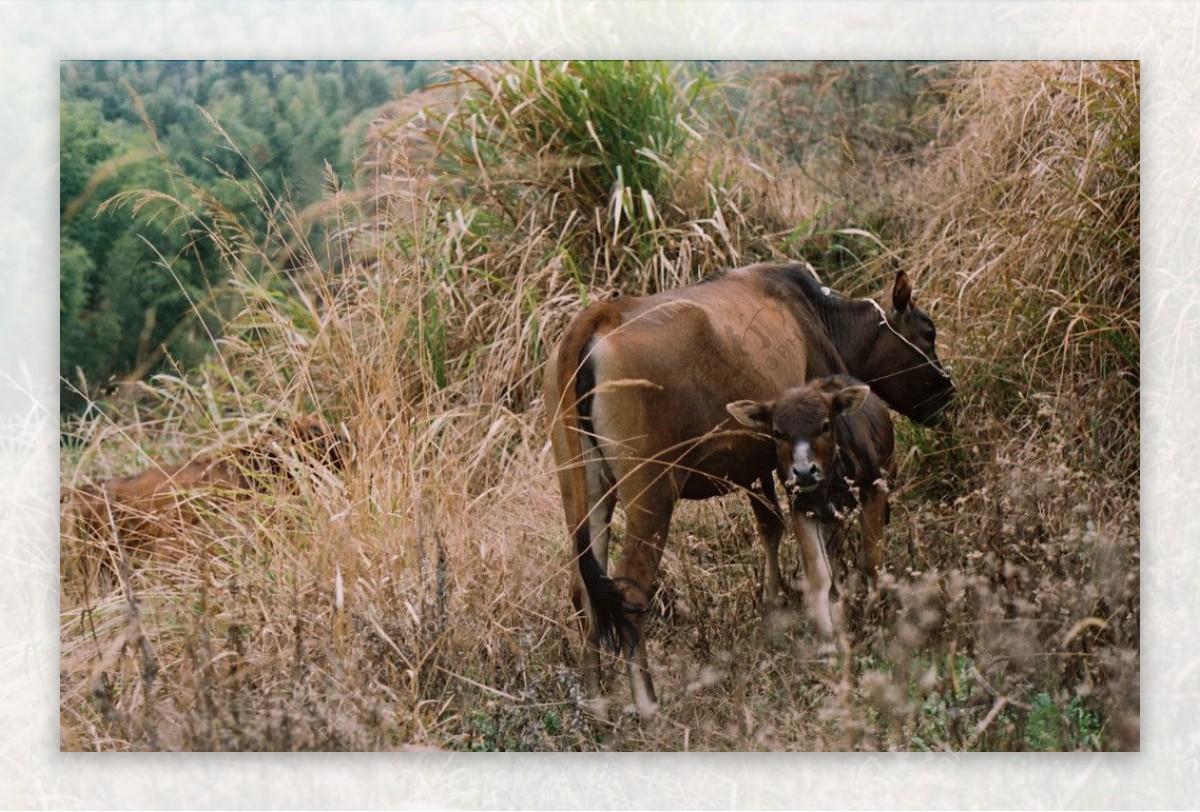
(610, 612)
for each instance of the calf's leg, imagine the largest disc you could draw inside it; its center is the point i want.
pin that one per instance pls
(871, 521)
(870, 554)
(818, 577)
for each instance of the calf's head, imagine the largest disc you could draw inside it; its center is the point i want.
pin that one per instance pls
(803, 422)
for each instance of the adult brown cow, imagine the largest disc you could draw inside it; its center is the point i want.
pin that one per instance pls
(637, 390)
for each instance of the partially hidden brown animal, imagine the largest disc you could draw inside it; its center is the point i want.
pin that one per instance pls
(151, 510)
(637, 390)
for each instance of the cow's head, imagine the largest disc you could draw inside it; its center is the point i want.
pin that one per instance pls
(289, 446)
(902, 363)
(803, 422)
(317, 440)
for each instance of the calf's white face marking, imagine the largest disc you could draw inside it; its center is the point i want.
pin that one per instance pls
(803, 464)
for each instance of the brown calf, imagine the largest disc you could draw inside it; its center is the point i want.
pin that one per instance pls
(834, 444)
(636, 392)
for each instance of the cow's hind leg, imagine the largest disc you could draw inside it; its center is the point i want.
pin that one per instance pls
(769, 524)
(648, 503)
(602, 497)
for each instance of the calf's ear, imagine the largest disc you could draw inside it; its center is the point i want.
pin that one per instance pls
(849, 399)
(750, 413)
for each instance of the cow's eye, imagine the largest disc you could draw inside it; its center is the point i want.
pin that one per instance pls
(825, 426)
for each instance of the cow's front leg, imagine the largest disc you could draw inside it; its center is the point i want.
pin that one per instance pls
(769, 524)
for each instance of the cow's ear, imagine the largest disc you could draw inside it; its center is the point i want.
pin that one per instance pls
(751, 413)
(849, 399)
(901, 292)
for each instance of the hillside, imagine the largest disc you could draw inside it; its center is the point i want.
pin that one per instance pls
(417, 598)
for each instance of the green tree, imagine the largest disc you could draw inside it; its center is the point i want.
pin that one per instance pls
(135, 279)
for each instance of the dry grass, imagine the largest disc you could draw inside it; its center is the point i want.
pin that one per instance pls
(1026, 227)
(419, 600)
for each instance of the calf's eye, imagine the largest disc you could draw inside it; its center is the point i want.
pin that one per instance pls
(825, 426)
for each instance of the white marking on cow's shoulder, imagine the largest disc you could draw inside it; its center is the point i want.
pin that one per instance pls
(826, 291)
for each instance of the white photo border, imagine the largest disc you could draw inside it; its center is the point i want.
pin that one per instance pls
(37, 36)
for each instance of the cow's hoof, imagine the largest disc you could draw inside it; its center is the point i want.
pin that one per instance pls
(827, 651)
(597, 708)
(646, 711)
(777, 601)
(780, 622)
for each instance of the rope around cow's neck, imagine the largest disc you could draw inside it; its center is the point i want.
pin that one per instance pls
(883, 322)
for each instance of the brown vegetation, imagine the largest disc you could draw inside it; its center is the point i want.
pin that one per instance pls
(153, 511)
(419, 598)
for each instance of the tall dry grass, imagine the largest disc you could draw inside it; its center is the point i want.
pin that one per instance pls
(419, 599)
(1024, 226)
(1033, 210)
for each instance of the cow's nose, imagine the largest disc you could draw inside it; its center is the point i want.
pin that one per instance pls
(807, 477)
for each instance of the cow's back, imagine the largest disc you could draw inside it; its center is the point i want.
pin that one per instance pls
(665, 370)
(704, 345)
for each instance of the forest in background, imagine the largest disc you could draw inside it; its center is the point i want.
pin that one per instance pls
(418, 598)
(139, 294)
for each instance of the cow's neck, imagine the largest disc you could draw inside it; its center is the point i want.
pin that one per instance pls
(852, 326)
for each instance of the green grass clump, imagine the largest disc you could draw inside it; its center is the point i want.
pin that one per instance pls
(601, 143)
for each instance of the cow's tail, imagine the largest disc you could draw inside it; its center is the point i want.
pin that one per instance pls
(575, 376)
